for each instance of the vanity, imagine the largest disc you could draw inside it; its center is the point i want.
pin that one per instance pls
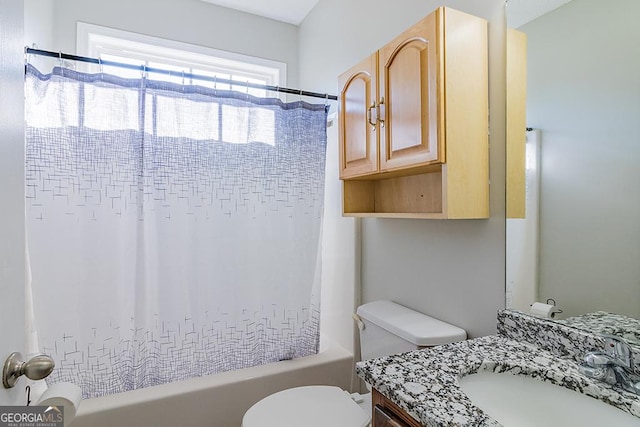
(443, 386)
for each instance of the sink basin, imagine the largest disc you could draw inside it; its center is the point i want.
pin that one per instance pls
(521, 401)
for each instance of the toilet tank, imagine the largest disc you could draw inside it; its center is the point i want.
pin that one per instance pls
(389, 328)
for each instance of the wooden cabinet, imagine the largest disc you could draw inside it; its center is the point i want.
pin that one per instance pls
(516, 123)
(385, 413)
(359, 157)
(413, 123)
(408, 78)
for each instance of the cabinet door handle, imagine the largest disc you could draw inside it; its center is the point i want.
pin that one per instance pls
(382, 111)
(372, 120)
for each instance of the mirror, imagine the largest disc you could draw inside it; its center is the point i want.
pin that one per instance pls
(578, 240)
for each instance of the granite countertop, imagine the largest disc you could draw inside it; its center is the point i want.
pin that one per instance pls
(425, 382)
(605, 323)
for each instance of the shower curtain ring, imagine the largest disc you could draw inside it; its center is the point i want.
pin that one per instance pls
(61, 64)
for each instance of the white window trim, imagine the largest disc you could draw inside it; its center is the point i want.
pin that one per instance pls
(93, 39)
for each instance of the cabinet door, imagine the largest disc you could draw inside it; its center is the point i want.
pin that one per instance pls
(358, 137)
(383, 418)
(387, 414)
(411, 99)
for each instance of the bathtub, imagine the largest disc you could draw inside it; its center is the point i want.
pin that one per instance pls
(217, 400)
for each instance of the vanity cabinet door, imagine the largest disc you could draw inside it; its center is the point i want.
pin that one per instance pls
(409, 70)
(383, 418)
(358, 136)
(388, 414)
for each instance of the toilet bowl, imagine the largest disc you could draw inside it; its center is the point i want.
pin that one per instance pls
(315, 406)
(385, 328)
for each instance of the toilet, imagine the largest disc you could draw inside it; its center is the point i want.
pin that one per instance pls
(385, 328)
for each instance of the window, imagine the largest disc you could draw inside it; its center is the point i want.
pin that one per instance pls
(183, 58)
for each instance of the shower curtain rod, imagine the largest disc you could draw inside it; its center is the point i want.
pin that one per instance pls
(145, 69)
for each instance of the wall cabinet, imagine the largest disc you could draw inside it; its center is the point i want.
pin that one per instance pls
(413, 121)
(516, 123)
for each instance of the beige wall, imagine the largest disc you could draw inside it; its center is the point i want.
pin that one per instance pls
(452, 270)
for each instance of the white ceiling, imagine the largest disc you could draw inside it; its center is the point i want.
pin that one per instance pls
(519, 12)
(290, 11)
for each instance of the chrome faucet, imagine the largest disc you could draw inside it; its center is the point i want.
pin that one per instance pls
(614, 365)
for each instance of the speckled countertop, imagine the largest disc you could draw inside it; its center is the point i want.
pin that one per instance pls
(603, 323)
(425, 382)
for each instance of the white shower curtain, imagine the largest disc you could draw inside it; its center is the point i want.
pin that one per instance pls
(173, 231)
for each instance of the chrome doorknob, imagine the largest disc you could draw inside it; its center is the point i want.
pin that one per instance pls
(36, 368)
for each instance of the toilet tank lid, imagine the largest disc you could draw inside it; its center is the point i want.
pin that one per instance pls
(417, 328)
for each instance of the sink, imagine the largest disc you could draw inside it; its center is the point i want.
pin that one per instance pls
(522, 401)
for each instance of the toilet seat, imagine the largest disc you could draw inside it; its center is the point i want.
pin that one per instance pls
(309, 406)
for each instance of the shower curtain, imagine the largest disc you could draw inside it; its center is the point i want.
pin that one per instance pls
(173, 231)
